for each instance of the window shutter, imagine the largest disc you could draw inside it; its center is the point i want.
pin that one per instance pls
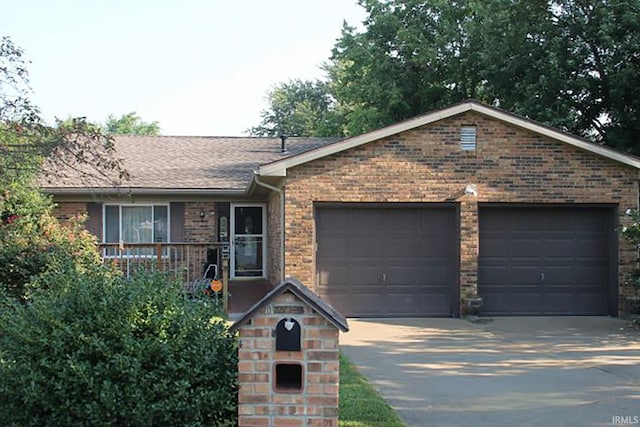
(94, 220)
(176, 213)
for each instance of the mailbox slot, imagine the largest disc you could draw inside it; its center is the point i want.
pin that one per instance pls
(288, 377)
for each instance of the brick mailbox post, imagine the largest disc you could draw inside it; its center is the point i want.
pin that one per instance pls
(288, 367)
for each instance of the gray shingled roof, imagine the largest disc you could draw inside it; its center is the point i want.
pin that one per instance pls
(192, 162)
(294, 286)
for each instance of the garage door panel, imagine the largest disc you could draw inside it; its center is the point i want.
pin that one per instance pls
(335, 247)
(399, 261)
(363, 247)
(549, 261)
(338, 273)
(494, 274)
(596, 250)
(529, 248)
(577, 276)
(401, 248)
(334, 223)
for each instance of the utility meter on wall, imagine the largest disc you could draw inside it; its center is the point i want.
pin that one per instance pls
(224, 229)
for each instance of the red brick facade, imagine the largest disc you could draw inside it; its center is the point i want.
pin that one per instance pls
(426, 164)
(259, 401)
(68, 211)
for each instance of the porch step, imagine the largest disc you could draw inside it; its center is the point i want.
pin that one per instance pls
(244, 294)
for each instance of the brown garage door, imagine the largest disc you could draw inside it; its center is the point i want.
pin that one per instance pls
(546, 261)
(387, 261)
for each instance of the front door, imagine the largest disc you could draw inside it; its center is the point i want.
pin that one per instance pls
(248, 254)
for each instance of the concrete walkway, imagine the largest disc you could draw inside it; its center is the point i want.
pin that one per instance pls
(543, 371)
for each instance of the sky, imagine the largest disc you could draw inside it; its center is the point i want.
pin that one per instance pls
(198, 67)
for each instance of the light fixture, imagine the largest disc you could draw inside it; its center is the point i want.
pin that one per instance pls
(471, 190)
(202, 214)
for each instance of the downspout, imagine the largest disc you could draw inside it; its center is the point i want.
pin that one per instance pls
(281, 192)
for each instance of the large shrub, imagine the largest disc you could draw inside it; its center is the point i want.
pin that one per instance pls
(97, 350)
(632, 281)
(33, 242)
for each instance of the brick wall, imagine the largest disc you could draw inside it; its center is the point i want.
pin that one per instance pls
(317, 403)
(69, 210)
(274, 243)
(426, 164)
(194, 228)
(197, 229)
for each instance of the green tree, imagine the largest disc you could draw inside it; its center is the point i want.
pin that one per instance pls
(573, 64)
(299, 108)
(130, 124)
(32, 242)
(75, 149)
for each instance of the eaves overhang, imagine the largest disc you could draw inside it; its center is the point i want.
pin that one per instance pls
(58, 191)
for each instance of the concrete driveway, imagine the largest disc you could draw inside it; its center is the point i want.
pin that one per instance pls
(542, 371)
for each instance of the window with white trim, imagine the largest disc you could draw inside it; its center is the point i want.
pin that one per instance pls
(136, 223)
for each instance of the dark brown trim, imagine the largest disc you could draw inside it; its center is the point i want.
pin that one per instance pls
(94, 219)
(176, 218)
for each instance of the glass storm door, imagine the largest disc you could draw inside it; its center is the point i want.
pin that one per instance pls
(248, 237)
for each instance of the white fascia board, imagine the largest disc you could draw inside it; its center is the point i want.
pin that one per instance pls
(142, 191)
(279, 168)
(558, 135)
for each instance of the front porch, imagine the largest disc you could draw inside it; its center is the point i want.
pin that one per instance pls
(186, 262)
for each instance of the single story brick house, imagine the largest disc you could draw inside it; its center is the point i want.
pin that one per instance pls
(402, 221)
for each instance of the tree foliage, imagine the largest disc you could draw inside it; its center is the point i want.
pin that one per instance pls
(130, 124)
(33, 242)
(573, 64)
(102, 352)
(28, 146)
(299, 108)
(631, 233)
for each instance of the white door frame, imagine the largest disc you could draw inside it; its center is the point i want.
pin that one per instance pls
(232, 238)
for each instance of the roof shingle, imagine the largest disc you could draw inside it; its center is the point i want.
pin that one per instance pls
(192, 162)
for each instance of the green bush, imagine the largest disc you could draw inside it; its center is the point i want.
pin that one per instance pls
(97, 350)
(33, 242)
(632, 281)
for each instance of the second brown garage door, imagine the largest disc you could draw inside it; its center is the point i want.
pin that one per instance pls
(547, 260)
(387, 261)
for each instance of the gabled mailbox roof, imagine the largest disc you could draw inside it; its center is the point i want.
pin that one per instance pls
(302, 292)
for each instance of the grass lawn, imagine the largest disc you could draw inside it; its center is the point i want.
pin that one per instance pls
(360, 403)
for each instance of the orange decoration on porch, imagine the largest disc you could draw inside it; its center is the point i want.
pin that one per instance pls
(216, 285)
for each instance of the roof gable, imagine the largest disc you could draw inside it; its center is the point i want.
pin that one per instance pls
(279, 167)
(303, 293)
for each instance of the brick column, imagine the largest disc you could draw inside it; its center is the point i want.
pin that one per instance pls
(469, 238)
